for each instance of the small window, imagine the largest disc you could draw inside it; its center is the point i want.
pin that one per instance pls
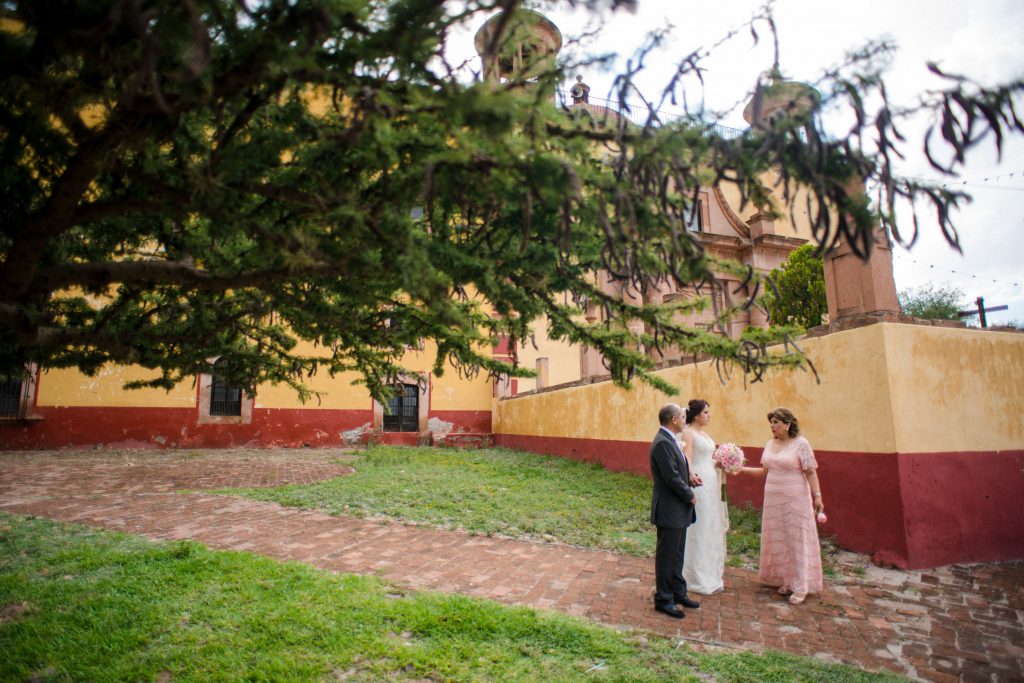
(396, 328)
(219, 402)
(403, 409)
(695, 217)
(11, 392)
(224, 398)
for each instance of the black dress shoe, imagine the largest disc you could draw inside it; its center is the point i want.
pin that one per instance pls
(687, 602)
(670, 610)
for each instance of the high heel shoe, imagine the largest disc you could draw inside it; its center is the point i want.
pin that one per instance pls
(797, 598)
(785, 590)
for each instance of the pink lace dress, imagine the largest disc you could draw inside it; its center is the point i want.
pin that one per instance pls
(790, 553)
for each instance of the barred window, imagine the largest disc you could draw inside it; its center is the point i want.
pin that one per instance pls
(220, 400)
(403, 409)
(11, 391)
(224, 398)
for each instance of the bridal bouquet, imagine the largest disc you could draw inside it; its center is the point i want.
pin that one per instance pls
(730, 458)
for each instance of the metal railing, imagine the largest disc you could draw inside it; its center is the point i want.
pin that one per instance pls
(639, 114)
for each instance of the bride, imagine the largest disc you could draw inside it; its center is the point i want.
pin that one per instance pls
(704, 562)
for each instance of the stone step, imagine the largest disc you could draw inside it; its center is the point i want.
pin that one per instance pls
(465, 440)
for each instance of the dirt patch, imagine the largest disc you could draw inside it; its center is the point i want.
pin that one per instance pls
(11, 612)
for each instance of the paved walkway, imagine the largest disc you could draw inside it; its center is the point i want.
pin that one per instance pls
(959, 623)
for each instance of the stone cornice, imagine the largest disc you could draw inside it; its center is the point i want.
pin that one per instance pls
(778, 242)
(735, 222)
(724, 244)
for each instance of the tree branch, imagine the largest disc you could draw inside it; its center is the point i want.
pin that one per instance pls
(153, 272)
(96, 211)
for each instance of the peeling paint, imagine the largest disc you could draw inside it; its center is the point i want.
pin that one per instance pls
(355, 436)
(160, 439)
(439, 428)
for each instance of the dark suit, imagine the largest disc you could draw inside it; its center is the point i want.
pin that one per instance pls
(671, 511)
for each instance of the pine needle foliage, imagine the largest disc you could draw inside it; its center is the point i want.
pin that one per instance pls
(228, 179)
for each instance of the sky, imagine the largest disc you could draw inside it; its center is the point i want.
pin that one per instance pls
(980, 39)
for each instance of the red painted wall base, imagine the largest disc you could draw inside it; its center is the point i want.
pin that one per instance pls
(909, 510)
(394, 438)
(75, 427)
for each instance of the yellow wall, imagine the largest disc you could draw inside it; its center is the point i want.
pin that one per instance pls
(958, 390)
(72, 388)
(448, 392)
(336, 393)
(9, 25)
(603, 411)
(884, 388)
(563, 358)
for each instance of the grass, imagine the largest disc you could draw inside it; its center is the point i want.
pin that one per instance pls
(79, 604)
(504, 492)
(743, 541)
(511, 493)
(490, 491)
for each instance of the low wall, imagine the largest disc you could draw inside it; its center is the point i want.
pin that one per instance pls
(918, 432)
(57, 427)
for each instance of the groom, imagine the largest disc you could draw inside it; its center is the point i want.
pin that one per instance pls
(672, 502)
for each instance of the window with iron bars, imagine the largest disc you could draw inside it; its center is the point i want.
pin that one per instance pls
(11, 394)
(224, 398)
(403, 409)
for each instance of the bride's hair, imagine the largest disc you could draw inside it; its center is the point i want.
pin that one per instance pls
(694, 408)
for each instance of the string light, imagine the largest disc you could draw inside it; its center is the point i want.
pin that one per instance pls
(980, 278)
(986, 187)
(985, 182)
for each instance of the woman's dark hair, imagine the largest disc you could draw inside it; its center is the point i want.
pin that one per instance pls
(694, 408)
(786, 417)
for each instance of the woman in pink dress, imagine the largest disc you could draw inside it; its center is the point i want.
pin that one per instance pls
(790, 553)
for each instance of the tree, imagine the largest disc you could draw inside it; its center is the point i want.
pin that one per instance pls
(798, 297)
(223, 179)
(931, 302)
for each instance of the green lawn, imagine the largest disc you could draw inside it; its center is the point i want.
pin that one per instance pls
(511, 493)
(500, 491)
(82, 605)
(743, 542)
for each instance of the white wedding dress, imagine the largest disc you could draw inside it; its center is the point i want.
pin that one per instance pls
(704, 562)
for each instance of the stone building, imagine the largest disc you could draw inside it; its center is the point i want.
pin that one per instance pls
(937, 496)
(66, 408)
(724, 226)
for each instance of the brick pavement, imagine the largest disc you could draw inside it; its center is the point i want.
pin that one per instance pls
(959, 623)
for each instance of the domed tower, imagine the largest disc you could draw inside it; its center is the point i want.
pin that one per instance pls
(781, 98)
(518, 46)
(858, 292)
